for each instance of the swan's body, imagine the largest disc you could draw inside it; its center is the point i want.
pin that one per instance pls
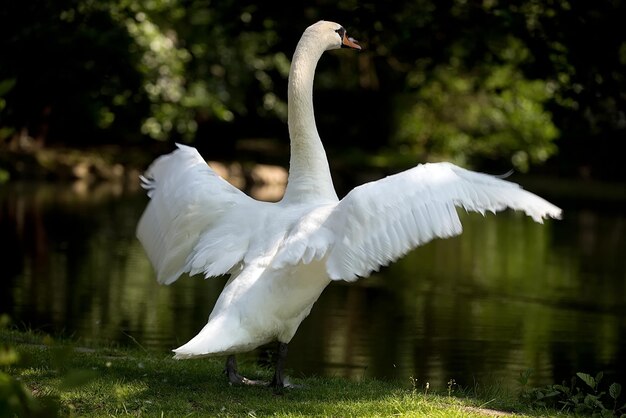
(282, 255)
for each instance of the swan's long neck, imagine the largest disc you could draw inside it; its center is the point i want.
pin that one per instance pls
(309, 174)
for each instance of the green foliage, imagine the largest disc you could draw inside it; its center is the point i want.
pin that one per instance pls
(467, 115)
(17, 400)
(196, 68)
(71, 67)
(127, 66)
(477, 80)
(581, 399)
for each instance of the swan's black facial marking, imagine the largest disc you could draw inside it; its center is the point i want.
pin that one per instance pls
(347, 42)
(342, 34)
(341, 31)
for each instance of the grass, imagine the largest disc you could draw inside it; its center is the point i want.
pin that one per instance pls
(105, 381)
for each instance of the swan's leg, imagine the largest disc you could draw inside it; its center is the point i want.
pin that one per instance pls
(235, 378)
(278, 382)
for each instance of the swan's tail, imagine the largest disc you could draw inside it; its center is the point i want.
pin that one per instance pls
(221, 336)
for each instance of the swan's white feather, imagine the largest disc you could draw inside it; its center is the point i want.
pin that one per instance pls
(379, 222)
(191, 223)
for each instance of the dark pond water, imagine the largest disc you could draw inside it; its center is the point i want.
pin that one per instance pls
(506, 296)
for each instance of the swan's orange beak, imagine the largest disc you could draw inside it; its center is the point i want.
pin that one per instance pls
(350, 42)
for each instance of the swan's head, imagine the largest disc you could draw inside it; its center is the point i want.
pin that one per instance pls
(331, 34)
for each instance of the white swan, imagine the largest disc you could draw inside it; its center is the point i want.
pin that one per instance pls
(281, 256)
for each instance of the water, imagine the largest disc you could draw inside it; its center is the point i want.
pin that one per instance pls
(506, 296)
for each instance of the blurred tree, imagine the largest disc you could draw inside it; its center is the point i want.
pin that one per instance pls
(201, 63)
(475, 102)
(580, 48)
(471, 81)
(67, 70)
(489, 112)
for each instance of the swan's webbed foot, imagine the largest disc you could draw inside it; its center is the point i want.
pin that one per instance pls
(278, 382)
(235, 378)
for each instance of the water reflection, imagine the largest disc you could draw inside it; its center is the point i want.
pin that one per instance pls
(505, 296)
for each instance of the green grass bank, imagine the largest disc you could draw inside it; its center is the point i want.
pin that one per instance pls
(41, 376)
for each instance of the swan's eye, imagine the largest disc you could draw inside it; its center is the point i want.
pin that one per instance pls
(341, 31)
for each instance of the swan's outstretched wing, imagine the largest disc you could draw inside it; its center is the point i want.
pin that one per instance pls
(183, 228)
(380, 221)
